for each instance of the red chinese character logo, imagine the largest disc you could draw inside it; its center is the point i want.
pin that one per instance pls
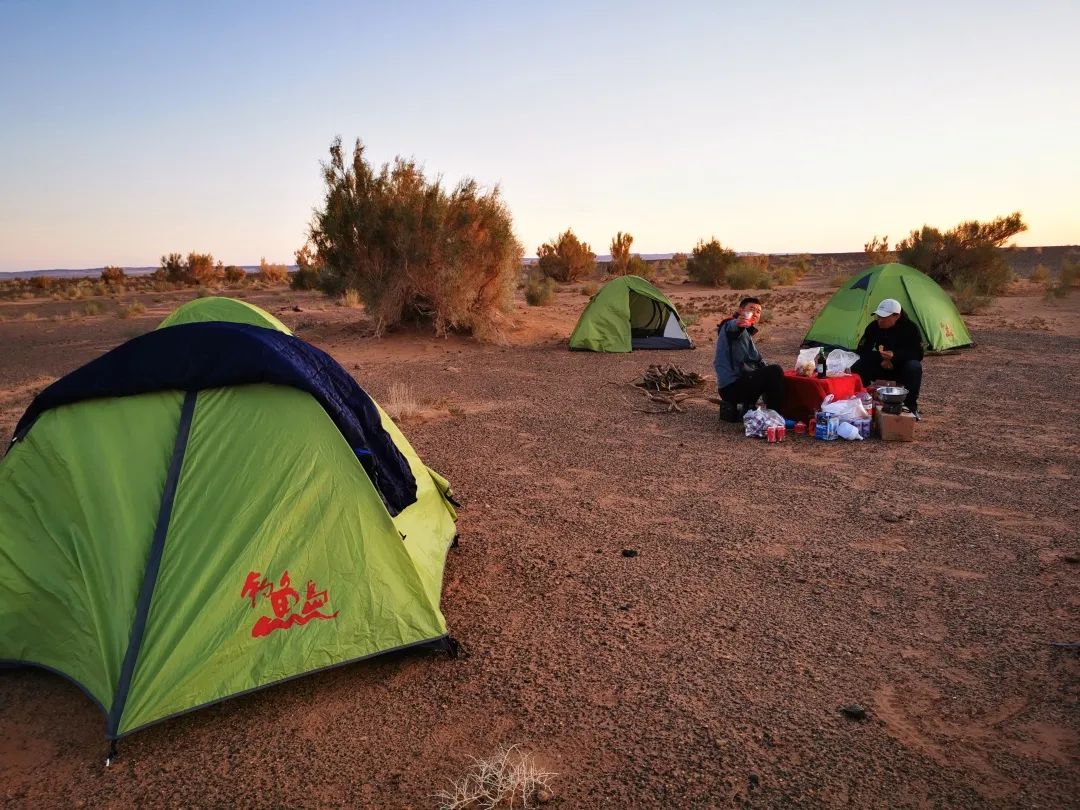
(283, 599)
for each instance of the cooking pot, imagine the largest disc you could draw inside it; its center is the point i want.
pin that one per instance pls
(892, 394)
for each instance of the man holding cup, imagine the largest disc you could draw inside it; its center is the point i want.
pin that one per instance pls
(741, 372)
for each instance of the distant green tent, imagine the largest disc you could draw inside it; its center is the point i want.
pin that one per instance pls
(166, 549)
(629, 313)
(845, 316)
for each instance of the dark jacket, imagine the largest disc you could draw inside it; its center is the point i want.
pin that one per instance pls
(736, 353)
(904, 340)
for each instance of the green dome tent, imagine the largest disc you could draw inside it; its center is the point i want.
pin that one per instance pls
(629, 313)
(844, 318)
(167, 548)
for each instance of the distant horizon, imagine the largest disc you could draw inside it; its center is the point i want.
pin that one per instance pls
(600, 258)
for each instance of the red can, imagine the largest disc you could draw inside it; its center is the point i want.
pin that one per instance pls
(811, 428)
(770, 434)
(781, 431)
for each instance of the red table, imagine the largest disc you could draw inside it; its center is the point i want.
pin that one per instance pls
(803, 395)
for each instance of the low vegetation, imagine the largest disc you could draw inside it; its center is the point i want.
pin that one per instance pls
(709, 262)
(539, 290)
(966, 256)
(272, 273)
(508, 779)
(413, 249)
(566, 258)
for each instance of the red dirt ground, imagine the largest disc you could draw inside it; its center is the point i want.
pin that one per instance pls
(772, 586)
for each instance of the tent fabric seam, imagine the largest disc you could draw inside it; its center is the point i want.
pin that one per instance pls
(153, 564)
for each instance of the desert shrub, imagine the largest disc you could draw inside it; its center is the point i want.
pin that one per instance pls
(42, 283)
(92, 308)
(620, 254)
(202, 270)
(1068, 277)
(539, 290)
(508, 779)
(306, 276)
(637, 266)
(969, 297)
(272, 273)
(203, 292)
(566, 258)
(351, 299)
(113, 275)
(709, 262)
(589, 288)
(412, 248)
(967, 255)
(838, 278)
(677, 263)
(745, 275)
(784, 275)
(131, 310)
(234, 275)
(877, 251)
(1040, 274)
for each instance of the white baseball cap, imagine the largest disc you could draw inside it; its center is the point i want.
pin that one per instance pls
(887, 307)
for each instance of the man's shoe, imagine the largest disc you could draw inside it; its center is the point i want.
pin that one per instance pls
(914, 412)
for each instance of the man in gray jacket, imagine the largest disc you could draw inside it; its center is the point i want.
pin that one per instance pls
(741, 373)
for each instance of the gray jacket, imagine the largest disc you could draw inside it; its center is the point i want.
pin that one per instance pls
(736, 353)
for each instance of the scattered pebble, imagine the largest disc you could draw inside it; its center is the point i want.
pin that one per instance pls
(854, 711)
(629, 552)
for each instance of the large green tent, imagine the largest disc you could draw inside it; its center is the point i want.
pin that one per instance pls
(845, 316)
(629, 313)
(167, 549)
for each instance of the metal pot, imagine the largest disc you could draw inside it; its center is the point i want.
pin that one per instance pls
(892, 394)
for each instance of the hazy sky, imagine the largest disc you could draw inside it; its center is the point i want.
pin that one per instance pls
(132, 129)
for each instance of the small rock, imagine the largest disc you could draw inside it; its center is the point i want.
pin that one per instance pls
(629, 552)
(754, 780)
(890, 517)
(1074, 559)
(854, 711)
(543, 795)
(297, 309)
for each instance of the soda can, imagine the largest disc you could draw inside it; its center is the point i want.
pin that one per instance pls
(770, 434)
(781, 431)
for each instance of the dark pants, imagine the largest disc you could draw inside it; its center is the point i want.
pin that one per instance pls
(767, 382)
(908, 374)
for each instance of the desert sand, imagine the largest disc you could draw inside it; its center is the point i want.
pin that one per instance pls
(772, 585)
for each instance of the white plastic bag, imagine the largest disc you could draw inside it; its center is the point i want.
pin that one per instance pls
(849, 410)
(804, 363)
(758, 421)
(838, 362)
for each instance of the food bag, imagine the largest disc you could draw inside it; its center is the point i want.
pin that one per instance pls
(805, 362)
(849, 410)
(838, 362)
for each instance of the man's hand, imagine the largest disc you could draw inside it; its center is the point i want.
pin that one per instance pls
(886, 363)
(886, 356)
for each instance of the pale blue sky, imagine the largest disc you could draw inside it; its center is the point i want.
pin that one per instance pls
(132, 129)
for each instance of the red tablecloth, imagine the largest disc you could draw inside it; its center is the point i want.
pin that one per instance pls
(803, 395)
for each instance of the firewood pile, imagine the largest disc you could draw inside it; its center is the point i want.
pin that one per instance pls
(669, 378)
(670, 387)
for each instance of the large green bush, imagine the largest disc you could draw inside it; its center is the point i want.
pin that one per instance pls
(968, 255)
(709, 262)
(413, 249)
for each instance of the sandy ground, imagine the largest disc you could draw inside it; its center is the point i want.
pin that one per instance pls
(772, 586)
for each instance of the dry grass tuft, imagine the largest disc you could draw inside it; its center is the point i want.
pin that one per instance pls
(351, 299)
(402, 402)
(508, 779)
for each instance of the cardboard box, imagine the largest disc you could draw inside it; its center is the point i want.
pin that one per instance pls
(894, 427)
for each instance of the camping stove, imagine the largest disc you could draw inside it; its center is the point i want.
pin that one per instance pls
(892, 399)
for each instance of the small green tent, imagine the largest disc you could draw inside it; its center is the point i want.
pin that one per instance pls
(629, 313)
(844, 318)
(168, 549)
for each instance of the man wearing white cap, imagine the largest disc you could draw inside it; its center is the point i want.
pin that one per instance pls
(891, 349)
